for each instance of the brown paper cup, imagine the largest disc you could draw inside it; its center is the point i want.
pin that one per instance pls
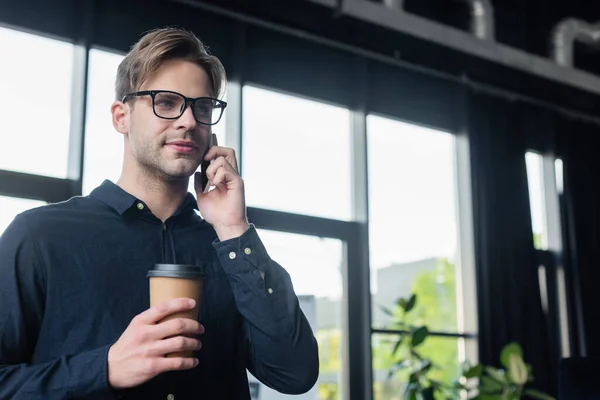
(170, 281)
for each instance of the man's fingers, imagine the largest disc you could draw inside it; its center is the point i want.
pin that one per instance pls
(155, 314)
(176, 327)
(176, 344)
(221, 177)
(164, 364)
(229, 155)
(220, 162)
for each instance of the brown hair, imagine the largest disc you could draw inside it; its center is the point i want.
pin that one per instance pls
(160, 45)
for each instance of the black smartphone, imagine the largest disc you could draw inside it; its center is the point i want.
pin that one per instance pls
(204, 166)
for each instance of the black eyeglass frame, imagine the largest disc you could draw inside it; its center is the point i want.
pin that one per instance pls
(188, 100)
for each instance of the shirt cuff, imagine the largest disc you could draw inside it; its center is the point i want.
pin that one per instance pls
(243, 253)
(88, 373)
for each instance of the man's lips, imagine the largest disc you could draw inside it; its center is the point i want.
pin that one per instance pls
(182, 146)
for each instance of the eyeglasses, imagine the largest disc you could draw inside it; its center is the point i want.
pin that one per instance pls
(171, 105)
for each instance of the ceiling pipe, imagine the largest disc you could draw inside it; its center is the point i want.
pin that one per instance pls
(566, 33)
(481, 13)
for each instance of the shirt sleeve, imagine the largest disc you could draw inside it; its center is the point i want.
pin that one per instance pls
(22, 301)
(282, 350)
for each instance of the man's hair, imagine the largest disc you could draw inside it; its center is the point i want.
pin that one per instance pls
(160, 45)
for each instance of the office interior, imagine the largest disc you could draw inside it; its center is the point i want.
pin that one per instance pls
(433, 149)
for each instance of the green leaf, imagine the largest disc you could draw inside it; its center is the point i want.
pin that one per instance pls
(419, 336)
(517, 369)
(497, 374)
(414, 378)
(458, 385)
(511, 348)
(489, 385)
(435, 384)
(398, 366)
(427, 393)
(401, 302)
(397, 345)
(425, 367)
(387, 311)
(410, 392)
(400, 325)
(416, 355)
(410, 303)
(465, 366)
(474, 372)
(536, 394)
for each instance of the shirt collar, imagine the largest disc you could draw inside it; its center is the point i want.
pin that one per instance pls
(118, 199)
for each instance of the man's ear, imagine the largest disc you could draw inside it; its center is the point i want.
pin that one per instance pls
(120, 117)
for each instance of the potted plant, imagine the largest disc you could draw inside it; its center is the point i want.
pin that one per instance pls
(479, 382)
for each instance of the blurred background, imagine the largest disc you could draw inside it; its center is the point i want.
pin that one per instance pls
(437, 148)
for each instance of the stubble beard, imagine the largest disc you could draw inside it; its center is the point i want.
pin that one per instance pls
(158, 168)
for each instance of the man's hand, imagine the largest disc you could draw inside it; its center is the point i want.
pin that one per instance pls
(139, 354)
(225, 206)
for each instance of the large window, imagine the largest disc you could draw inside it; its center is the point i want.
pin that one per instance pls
(296, 158)
(315, 267)
(296, 154)
(35, 77)
(413, 228)
(11, 206)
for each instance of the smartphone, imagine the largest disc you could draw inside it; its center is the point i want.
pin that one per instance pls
(204, 166)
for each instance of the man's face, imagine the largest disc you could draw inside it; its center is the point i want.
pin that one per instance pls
(170, 149)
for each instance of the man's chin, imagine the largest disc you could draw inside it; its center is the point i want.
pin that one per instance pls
(181, 170)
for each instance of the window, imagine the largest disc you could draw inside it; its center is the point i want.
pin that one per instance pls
(545, 180)
(413, 229)
(315, 267)
(35, 103)
(103, 158)
(558, 166)
(535, 180)
(296, 154)
(11, 206)
(103, 144)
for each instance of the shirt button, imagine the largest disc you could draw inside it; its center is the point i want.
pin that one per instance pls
(232, 255)
(247, 250)
(140, 206)
(170, 397)
(270, 290)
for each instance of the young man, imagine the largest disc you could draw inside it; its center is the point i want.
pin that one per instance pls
(75, 320)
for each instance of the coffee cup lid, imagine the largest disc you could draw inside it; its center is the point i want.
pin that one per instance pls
(176, 271)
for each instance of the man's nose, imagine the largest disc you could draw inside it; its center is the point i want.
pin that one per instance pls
(187, 120)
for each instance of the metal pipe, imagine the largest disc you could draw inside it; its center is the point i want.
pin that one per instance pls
(482, 19)
(566, 33)
(394, 4)
(481, 13)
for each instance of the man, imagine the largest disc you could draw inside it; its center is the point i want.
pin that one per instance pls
(75, 320)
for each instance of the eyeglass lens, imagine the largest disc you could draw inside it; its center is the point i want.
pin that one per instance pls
(170, 105)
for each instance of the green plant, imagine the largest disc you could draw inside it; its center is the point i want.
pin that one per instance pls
(411, 364)
(506, 383)
(479, 382)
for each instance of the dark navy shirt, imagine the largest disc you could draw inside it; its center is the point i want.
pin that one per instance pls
(73, 275)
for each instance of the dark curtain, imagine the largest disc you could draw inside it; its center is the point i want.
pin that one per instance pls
(509, 302)
(577, 146)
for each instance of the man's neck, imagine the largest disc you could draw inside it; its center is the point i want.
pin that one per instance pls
(162, 197)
